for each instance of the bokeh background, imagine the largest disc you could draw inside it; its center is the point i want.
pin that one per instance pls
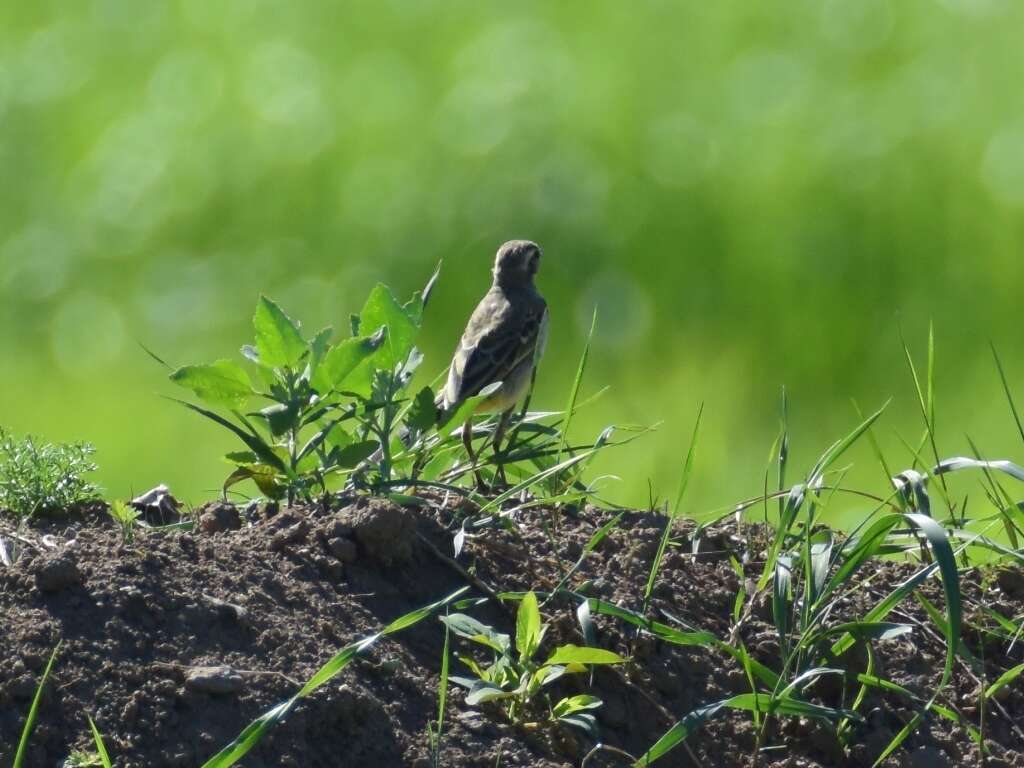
(754, 194)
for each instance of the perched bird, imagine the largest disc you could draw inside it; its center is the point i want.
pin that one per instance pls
(502, 342)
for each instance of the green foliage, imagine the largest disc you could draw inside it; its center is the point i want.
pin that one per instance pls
(517, 677)
(40, 478)
(80, 759)
(341, 415)
(330, 407)
(810, 571)
(126, 517)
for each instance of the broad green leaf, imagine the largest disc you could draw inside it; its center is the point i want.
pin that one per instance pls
(317, 350)
(280, 417)
(546, 675)
(241, 458)
(352, 455)
(471, 629)
(584, 721)
(578, 703)
(278, 341)
(341, 360)
(222, 383)
(575, 654)
(527, 627)
(422, 414)
(265, 478)
(382, 308)
(484, 691)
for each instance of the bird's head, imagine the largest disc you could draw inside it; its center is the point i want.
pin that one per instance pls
(516, 263)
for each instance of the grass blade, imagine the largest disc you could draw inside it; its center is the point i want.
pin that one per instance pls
(30, 721)
(945, 560)
(575, 391)
(1004, 680)
(255, 731)
(1006, 389)
(684, 481)
(101, 748)
(679, 732)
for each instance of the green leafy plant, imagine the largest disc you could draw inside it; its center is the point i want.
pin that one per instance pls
(40, 478)
(516, 677)
(341, 416)
(79, 759)
(330, 407)
(126, 517)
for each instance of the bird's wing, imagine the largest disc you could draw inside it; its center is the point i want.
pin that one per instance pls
(496, 340)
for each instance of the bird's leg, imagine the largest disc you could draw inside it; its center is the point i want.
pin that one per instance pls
(499, 434)
(467, 440)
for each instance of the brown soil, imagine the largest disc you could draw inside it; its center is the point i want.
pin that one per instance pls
(268, 602)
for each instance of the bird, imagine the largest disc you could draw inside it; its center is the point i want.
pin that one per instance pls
(502, 343)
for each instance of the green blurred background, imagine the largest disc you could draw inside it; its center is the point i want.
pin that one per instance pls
(755, 194)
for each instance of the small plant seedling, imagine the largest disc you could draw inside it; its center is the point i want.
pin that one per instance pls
(517, 678)
(126, 517)
(79, 759)
(39, 478)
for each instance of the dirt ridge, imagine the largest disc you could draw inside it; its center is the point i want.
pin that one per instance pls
(175, 642)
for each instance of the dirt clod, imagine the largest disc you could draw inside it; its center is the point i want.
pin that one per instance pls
(219, 680)
(343, 549)
(56, 572)
(384, 530)
(218, 516)
(1011, 581)
(293, 534)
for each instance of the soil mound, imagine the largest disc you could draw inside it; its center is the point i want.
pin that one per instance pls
(175, 642)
